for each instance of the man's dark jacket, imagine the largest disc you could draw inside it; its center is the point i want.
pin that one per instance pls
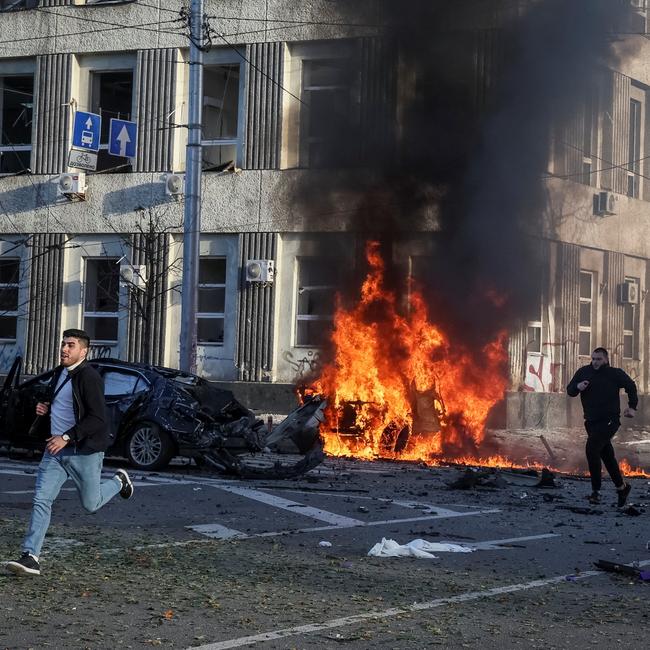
(600, 400)
(90, 433)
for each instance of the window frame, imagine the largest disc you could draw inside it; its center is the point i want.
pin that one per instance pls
(14, 313)
(226, 57)
(18, 69)
(633, 333)
(92, 64)
(299, 289)
(99, 314)
(591, 301)
(636, 136)
(213, 315)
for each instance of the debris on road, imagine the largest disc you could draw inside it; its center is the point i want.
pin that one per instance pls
(625, 569)
(581, 511)
(547, 480)
(419, 548)
(324, 544)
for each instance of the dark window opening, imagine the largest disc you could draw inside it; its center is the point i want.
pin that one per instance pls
(210, 317)
(111, 97)
(325, 133)
(9, 276)
(102, 298)
(16, 103)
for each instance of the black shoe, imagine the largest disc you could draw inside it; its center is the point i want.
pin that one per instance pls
(623, 494)
(127, 485)
(594, 498)
(27, 565)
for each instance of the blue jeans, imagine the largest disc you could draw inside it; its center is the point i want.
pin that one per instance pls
(85, 470)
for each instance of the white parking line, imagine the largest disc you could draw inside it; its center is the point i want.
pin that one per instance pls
(392, 612)
(204, 529)
(291, 506)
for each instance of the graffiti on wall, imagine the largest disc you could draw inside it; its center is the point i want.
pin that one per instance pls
(543, 371)
(308, 364)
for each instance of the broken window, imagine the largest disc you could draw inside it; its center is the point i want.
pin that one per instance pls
(325, 112)
(15, 5)
(111, 96)
(102, 299)
(220, 138)
(9, 276)
(16, 101)
(629, 325)
(211, 300)
(121, 382)
(586, 290)
(318, 280)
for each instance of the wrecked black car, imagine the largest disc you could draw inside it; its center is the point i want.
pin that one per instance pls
(157, 413)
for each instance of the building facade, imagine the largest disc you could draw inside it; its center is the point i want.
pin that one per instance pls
(270, 70)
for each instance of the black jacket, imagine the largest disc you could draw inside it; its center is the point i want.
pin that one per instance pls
(600, 400)
(90, 433)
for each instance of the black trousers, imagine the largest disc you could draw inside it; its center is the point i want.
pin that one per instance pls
(599, 448)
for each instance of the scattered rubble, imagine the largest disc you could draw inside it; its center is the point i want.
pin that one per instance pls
(419, 548)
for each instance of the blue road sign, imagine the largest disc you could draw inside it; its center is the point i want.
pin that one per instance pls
(123, 137)
(86, 130)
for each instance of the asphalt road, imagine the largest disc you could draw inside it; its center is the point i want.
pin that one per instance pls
(196, 560)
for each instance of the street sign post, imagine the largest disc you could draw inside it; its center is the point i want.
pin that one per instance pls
(123, 138)
(86, 131)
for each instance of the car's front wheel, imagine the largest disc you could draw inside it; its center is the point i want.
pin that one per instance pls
(149, 447)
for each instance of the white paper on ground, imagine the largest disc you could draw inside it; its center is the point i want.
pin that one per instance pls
(417, 548)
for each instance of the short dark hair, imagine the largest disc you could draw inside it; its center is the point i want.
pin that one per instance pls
(602, 351)
(78, 334)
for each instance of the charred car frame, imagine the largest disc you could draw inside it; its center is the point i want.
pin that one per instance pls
(157, 413)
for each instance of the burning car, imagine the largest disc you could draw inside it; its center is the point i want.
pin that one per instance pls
(156, 413)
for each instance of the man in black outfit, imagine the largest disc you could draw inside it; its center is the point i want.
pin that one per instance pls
(599, 385)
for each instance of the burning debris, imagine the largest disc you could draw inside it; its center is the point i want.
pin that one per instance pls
(398, 388)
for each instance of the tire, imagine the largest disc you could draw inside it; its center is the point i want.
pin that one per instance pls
(149, 447)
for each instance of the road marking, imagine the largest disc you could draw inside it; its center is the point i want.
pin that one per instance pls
(498, 544)
(392, 612)
(360, 524)
(291, 506)
(217, 531)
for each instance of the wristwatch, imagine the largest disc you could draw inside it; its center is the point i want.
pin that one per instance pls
(66, 437)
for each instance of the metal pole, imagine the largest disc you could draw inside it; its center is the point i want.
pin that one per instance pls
(192, 220)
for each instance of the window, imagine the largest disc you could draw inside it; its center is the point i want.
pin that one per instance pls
(634, 156)
(15, 5)
(220, 128)
(586, 313)
(117, 382)
(317, 286)
(9, 277)
(101, 299)
(589, 135)
(16, 101)
(211, 300)
(111, 96)
(629, 325)
(325, 112)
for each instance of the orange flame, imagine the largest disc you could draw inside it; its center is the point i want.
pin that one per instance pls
(397, 387)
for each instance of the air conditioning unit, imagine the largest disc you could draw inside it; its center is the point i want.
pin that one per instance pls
(628, 293)
(174, 184)
(605, 204)
(260, 270)
(71, 184)
(134, 276)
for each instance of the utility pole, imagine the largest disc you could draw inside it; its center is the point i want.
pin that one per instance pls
(192, 219)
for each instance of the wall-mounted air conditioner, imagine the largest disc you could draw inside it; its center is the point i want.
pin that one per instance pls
(260, 270)
(605, 204)
(174, 184)
(628, 293)
(71, 184)
(134, 276)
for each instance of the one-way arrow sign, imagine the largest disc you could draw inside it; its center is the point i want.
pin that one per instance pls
(123, 138)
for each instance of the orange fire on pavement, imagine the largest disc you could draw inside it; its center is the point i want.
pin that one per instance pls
(399, 387)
